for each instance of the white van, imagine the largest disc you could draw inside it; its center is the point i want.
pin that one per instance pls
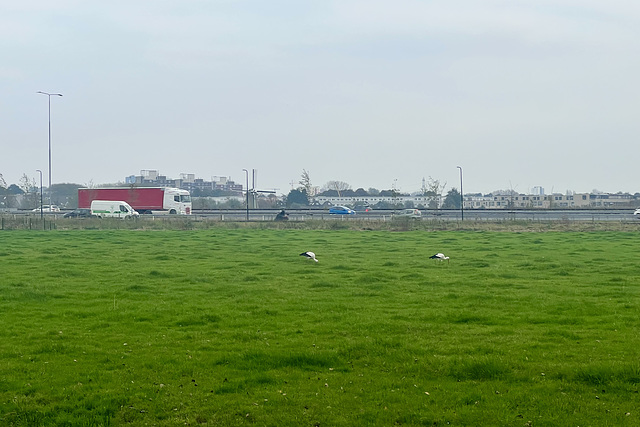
(112, 209)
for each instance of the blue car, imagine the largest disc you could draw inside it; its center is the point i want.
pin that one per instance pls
(341, 210)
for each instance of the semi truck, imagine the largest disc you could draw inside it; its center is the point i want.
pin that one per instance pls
(144, 200)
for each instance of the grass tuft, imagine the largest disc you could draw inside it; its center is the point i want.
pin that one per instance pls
(479, 370)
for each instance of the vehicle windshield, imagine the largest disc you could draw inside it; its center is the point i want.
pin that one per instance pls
(185, 198)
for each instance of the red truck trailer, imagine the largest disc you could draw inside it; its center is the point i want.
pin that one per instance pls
(142, 199)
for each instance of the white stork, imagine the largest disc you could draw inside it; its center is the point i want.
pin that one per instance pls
(439, 256)
(309, 255)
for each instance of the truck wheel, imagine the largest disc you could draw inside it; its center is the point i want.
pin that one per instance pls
(173, 212)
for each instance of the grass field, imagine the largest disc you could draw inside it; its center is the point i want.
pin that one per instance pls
(232, 327)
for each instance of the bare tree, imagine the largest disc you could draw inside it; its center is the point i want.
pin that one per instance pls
(4, 201)
(338, 186)
(305, 182)
(433, 188)
(27, 184)
(30, 188)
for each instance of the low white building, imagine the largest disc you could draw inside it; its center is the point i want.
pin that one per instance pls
(547, 201)
(417, 200)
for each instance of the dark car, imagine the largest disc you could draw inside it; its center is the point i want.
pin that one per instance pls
(78, 213)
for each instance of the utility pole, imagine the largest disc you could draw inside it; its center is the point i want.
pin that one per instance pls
(247, 191)
(461, 195)
(49, 95)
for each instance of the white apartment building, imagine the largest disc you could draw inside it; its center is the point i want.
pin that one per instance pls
(491, 201)
(548, 201)
(420, 200)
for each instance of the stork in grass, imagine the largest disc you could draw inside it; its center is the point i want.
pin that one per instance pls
(309, 255)
(439, 256)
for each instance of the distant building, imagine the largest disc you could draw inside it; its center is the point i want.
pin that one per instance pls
(187, 181)
(537, 191)
(417, 200)
(548, 201)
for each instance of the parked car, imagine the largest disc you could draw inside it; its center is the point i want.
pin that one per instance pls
(409, 213)
(341, 210)
(47, 208)
(78, 213)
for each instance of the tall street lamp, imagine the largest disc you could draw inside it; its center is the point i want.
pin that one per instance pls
(49, 95)
(41, 207)
(461, 195)
(247, 188)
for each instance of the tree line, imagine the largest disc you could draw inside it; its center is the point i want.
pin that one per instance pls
(305, 194)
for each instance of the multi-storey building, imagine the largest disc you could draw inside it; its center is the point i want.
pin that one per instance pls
(496, 201)
(186, 182)
(547, 201)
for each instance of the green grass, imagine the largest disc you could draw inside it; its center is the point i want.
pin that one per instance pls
(231, 327)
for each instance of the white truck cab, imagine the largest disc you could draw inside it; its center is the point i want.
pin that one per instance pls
(177, 201)
(112, 209)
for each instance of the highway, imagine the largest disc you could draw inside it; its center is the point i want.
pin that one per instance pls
(429, 215)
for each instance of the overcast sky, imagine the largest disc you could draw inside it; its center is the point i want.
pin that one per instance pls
(519, 93)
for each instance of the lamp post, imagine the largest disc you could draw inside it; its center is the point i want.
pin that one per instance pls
(49, 95)
(461, 195)
(41, 207)
(247, 188)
